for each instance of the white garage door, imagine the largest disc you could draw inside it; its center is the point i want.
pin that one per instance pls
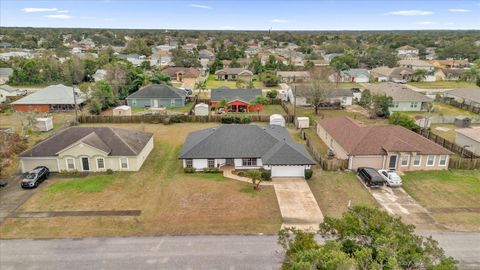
(288, 171)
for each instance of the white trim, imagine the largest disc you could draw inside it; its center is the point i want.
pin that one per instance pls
(440, 159)
(401, 161)
(434, 158)
(81, 163)
(96, 163)
(120, 162)
(66, 164)
(78, 143)
(419, 163)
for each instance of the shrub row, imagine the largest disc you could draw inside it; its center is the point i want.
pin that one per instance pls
(235, 120)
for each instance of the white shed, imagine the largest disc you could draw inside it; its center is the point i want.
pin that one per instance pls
(303, 122)
(122, 110)
(201, 109)
(44, 123)
(277, 119)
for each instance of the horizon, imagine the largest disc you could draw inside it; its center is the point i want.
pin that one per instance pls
(244, 15)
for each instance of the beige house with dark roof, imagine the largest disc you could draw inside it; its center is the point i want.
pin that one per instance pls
(90, 149)
(404, 99)
(381, 147)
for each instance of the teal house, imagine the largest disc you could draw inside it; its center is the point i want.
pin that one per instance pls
(157, 96)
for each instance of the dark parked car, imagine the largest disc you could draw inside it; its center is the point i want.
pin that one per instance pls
(34, 177)
(370, 177)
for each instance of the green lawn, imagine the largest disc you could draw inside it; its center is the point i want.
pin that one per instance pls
(334, 190)
(184, 109)
(452, 197)
(443, 84)
(349, 85)
(317, 143)
(441, 109)
(91, 183)
(213, 83)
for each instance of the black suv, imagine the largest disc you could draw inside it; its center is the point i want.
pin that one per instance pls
(370, 177)
(34, 177)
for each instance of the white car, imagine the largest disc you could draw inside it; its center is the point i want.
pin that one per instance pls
(391, 178)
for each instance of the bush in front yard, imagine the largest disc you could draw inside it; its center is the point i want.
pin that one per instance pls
(211, 170)
(109, 171)
(266, 175)
(308, 174)
(189, 170)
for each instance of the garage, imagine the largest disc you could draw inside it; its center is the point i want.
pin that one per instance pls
(288, 171)
(30, 163)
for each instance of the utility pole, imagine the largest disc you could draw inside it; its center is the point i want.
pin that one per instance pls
(75, 102)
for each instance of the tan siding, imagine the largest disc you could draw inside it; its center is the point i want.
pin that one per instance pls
(330, 142)
(367, 161)
(30, 164)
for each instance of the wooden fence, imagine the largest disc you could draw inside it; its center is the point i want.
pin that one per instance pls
(156, 119)
(460, 105)
(464, 153)
(464, 163)
(328, 164)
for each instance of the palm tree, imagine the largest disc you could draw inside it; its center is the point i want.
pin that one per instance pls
(222, 103)
(201, 85)
(141, 78)
(160, 78)
(256, 177)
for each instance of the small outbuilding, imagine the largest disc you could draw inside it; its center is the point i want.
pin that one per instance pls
(122, 110)
(462, 122)
(44, 124)
(277, 119)
(201, 109)
(302, 122)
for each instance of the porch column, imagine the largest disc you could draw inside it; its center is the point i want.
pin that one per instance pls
(236, 106)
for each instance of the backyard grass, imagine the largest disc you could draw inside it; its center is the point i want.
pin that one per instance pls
(213, 83)
(184, 109)
(334, 190)
(441, 109)
(449, 134)
(171, 201)
(452, 197)
(443, 84)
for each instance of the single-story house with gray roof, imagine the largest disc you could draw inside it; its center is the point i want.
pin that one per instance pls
(90, 149)
(469, 96)
(156, 96)
(54, 98)
(404, 99)
(246, 147)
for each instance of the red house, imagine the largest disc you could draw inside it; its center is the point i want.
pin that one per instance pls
(238, 100)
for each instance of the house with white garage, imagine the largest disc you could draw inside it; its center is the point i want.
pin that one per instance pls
(389, 147)
(246, 147)
(90, 149)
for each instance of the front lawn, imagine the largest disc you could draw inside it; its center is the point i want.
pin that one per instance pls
(170, 201)
(334, 190)
(452, 197)
(443, 84)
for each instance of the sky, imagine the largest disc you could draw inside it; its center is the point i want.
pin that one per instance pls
(244, 14)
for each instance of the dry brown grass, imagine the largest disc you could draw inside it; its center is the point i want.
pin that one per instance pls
(171, 201)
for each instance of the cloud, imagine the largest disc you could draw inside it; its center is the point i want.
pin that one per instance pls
(228, 27)
(279, 21)
(425, 23)
(412, 12)
(200, 6)
(31, 10)
(458, 10)
(58, 16)
(63, 11)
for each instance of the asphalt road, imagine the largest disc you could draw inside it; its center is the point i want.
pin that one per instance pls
(180, 252)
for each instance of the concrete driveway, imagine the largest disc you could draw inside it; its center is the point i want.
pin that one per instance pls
(397, 202)
(12, 196)
(297, 204)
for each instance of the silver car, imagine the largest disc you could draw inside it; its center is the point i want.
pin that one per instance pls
(391, 178)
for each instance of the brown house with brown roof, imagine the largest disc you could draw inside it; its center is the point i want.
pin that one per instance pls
(381, 147)
(188, 75)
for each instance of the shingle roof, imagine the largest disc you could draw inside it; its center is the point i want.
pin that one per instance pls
(357, 139)
(114, 141)
(271, 143)
(53, 94)
(158, 91)
(189, 72)
(356, 72)
(472, 94)
(398, 92)
(473, 133)
(245, 95)
(414, 62)
(5, 72)
(234, 71)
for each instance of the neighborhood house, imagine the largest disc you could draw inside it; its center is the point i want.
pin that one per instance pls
(469, 96)
(246, 147)
(469, 138)
(90, 149)
(404, 99)
(381, 147)
(156, 96)
(238, 100)
(53, 98)
(232, 74)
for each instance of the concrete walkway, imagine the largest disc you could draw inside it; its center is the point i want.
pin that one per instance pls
(228, 173)
(297, 204)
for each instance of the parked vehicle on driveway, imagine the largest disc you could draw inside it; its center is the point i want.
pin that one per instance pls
(391, 178)
(370, 177)
(34, 177)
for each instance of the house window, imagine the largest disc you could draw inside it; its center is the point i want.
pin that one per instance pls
(413, 105)
(134, 102)
(124, 163)
(443, 161)
(100, 163)
(404, 161)
(430, 160)
(249, 162)
(70, 164)
(189, 163)
(172, 102)
(211, 163)
(395, 104)
(417, 160)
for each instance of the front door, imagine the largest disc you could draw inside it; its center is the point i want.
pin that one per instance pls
(155, 103)
(230, 162)
(392, 164)
(85, 164)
